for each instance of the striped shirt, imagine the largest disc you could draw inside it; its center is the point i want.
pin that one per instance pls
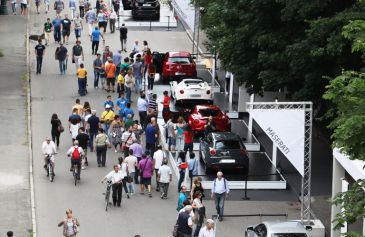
(152, 104)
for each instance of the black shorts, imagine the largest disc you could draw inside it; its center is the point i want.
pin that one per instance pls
(146, 181)
(65, 33)
(110, 81)
(23, 6)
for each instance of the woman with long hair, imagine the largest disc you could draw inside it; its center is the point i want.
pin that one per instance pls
(55, 130)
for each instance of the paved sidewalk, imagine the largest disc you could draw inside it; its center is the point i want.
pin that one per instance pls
(14, 165)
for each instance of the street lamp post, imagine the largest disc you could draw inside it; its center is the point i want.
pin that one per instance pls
(3, 8)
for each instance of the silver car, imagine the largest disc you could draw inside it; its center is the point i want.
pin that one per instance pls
(278, 229)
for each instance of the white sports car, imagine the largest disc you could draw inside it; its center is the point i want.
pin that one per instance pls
(191, 90)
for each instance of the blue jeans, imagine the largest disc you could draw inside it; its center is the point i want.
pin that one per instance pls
(96, 78)
(62, 64)
(131, 185)
(138, 85)
(78, 33)
(219, 203)
(82, 86)
(128, 93)
(117, 71)
(106, 127)
(92, 135)
(57, 33)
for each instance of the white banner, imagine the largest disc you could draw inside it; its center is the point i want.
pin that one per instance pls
(286, 129)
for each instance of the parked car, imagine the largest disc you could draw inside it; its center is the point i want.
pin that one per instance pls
(146, 9)
(198, 118)
(278, 229)
(190, 90)
(223, 151)
(178, 64)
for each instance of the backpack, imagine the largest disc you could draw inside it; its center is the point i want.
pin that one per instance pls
(76, 153)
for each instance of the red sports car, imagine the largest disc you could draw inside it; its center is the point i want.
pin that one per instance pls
(198, 118)
(178, 64)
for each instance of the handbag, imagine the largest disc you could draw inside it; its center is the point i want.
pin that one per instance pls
(60, 128)
(183, 165)
(175, 232)
(124, 146)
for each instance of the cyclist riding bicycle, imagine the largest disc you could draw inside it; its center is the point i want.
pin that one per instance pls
(116, 177)
(76, 153)
(48, 150)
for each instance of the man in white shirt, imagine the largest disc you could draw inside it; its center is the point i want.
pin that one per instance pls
(142, 105)
(48, 148)
(208, 229)
(164, 178)
(132, 163)
(116, 177)
(220, 191)
(158, 157)
(76, 157)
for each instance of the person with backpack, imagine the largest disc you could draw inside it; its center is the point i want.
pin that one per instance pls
(76, 153)
(220, 191)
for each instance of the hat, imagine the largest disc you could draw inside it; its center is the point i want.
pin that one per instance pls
(107, 106)
(210, 221)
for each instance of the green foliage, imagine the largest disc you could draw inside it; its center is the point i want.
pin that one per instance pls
(352, 203)
(283, 43)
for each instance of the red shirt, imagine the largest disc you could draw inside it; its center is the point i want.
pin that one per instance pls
(188, 137)
(166, 102)
(148, 59)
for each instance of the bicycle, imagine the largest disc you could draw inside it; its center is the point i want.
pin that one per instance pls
(74, 172)
(107, 194)
(50, 167)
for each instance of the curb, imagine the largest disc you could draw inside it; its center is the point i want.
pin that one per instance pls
(29, 109)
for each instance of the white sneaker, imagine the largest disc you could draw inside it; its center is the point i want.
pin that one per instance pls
(115, 151)
(83, 167)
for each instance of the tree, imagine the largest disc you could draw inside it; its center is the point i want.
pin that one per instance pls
(282, 44)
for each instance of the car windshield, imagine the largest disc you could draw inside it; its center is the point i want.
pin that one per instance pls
(209, 112)
(289, 235)
(180, 60)
(227, 145)
(192, 82)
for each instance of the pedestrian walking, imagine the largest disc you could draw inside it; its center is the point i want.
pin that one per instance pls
(116, 6)
(182, 165)
(59, 6)
(106, 118)
(13, 6)
(107, 53)
(125, 66)
(72, 6)
(152, 104)
(125, 171)
(164, 178)
(37, 6)
(47, 29)
(151, 76)
(77, 54)
(185, 223)
(92, 124)
(188, 139)
(158, 158)
(120, 82)
(82, 80)
(56, 129)
(132, 163)
(95, 39)
(110, 69)
(78, 107)
(142, 106)
(171, 133)
(46, 5)
(116, 177)
(83, 140)
(78, 26)
(166, 106)
(128, 138)
(121, 104)
(86, 115)
(74, 118)
(193, 165)
(151, 136)
(147, 58)
(97, 65)
(100, 146)
(66, 29)
(220, 191)
(117, 59)
(39, 52)
(116, 132)
(61, 56)
(137, 152)
(123, 37)
(208, 229)
(180, 128)
(137, 68)
(146, 171)
(128, 112)
(70, 225)
(90, 19)
(82, 8)
(129, 82)
(112, 20)
(197, 186)
(23, 7)
(57, 22)
(102, 21)
(199, 212)
(76, 153)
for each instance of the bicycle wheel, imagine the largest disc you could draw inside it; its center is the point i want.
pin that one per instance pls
(107, 194)
(50, 173)
(75, 174)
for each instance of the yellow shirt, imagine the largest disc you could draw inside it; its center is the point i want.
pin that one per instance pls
(107, 116)
(79, 109)
(81, 73)
(120, 79)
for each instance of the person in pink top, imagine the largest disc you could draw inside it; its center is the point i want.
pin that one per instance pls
(145, 167)
(147, 61)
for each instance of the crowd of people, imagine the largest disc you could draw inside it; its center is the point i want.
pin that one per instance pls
(137, 143)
